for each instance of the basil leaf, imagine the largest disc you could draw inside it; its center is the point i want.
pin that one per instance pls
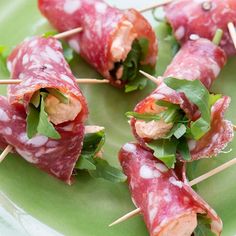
(32, 121)
(45, 127)
(105, 171)
(203, 227)
(196, 92)
(183, 149)
(214, 98)
(144, 116)
(59, 95)
(165, 150)
(4, 53)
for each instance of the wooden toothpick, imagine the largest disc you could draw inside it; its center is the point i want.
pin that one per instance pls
(191, 183)
(79, 81)
(6, 151)
(68, 33)
(148, 76)
(234, 127)
(159, 4)
(232, 32)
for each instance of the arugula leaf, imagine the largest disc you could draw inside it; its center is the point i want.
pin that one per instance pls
(165, 150)
(139, 83)
(144, 44)
(32, 121)
(59, 95)
(196, 92)
(97, 167)
(183, 149)
(214, 98)
(37, 119)
(4, 53)
(45, 127)
(105, 171)
(180, 130)
(49, 34)
(203, 227)
(35, 100)
(68, 52)
(144, 116)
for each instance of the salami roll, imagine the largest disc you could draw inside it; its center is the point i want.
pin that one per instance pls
(168, 204)
(202, 18)
(108, 34)
(56, 157)
(40, 64)
(196, 60)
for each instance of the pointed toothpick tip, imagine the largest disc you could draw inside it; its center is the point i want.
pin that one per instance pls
(5, 152)
(68, 33)
(234, 127)
(148, 76)
(232, 32)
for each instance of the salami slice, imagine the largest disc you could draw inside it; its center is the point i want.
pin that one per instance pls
(196, 60)
(168, 204)
(56, 157)
(108, 34)
(40, 64)
(202, 18)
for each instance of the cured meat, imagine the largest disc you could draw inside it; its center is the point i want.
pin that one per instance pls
(167, 202)
(196, 60)
(107, 36)
(39, 63)
(202, 18)
(56, 157)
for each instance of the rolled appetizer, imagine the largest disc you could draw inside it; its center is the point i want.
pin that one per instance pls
(202, 18)
(117, 43)
(181, 118)
(48, 89)
(168, 204)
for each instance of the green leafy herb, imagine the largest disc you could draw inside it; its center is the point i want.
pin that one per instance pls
(165, 150)
(37, 119)
(68, 52)
(144, 44)
(4, 53)
(214, 98)
(105, 171)
(139, 83)
(59, 95)
(49, 34)
(183, 149)
(144, 116)
(97, 167)
(180, 130)
(203, 227)
(196, 92)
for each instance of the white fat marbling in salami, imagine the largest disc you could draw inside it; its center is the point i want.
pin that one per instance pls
(56, 157)
(39, 63)
(108, 33)
(167, 202)
(202, 18)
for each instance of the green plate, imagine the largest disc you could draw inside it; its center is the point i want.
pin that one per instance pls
(33, 203)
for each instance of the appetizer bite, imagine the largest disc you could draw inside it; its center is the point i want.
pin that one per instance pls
(202, 19)
(181, 118)
(168, 204)
(117, 43)
(43, 118)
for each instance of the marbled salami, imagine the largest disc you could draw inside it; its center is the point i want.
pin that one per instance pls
(167, 202)
(196, 60)
(108, 33)
(56, 157)
(202, 18)
(39, 63)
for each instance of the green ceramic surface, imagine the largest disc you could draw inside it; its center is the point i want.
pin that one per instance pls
(33, 203)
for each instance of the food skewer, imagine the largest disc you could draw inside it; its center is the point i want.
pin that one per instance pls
(232, 32)
(198, 180)
(155, 5)
(79, 81)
